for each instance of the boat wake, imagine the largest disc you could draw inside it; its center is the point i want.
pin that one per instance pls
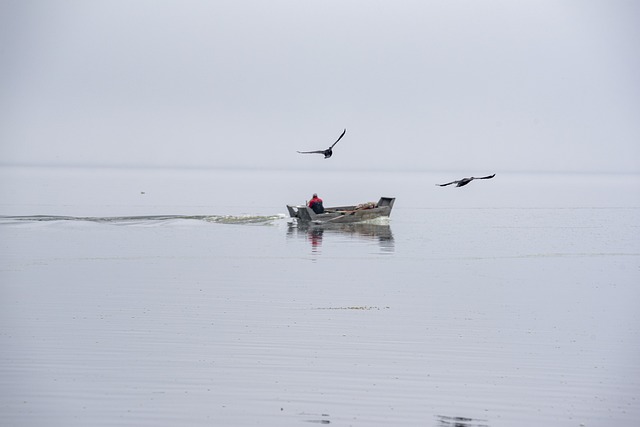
(145, 219)
(381, 220)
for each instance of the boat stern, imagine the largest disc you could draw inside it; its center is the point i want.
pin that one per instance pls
(293, 211)
(302, 213)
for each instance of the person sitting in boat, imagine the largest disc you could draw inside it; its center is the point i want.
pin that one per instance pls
(316, 204)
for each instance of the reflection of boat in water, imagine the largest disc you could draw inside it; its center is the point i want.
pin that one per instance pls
(366, 231)
(343, 214)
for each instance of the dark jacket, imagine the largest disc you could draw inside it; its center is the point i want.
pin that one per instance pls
(316, 205)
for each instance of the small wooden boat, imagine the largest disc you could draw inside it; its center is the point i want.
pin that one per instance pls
(343, 214)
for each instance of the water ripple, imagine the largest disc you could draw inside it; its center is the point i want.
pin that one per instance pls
(143, 219)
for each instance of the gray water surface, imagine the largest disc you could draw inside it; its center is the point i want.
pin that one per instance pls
(159, 297)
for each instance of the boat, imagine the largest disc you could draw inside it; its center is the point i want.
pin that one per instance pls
(343, 214)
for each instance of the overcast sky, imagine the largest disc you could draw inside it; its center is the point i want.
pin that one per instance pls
(473, 85)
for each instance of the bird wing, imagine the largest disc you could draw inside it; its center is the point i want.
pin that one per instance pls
(312, 152)
(339, 138)
(448, 183)
(487, 177)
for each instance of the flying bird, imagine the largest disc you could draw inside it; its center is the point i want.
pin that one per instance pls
(465, 181)
(328, 152)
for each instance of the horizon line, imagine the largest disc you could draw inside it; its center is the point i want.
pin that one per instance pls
(271, 168)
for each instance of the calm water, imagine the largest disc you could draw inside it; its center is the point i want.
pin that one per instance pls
(177, 297)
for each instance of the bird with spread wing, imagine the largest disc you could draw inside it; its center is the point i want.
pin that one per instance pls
(464, 181)
(329, 151)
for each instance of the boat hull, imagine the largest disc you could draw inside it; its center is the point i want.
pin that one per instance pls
(343, 214)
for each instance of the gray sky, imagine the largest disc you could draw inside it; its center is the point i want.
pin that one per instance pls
(482, 86)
